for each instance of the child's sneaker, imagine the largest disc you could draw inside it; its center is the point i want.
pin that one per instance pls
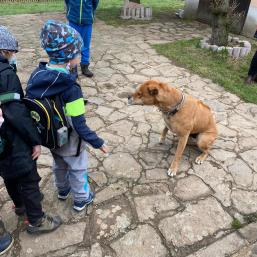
(6, 242)
(79, 206)
(63, 195)
(45, 225)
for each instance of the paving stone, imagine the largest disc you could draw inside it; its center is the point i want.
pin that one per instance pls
(151, 159)
(222, 155)
(151, 188)
(141, 242)
(124, 68)
(157, 174)
(148, 207)
(111, 139)
(126, 167)
(99, 178)
(250, 158)
(222, 248)
(122, 128)
(247, 143)
(247, 251)
(241, 173)
(136, 78)
(249, 232)
(95, 123)
(195, 223)
(150, 72)
(217, 179)
(190, 188)
(45, 160)
(104, 111)
(112, 220)
(96, 250)
(8, 216)
(110, 191)
(244, 201)
(35, 246)
(66, 251)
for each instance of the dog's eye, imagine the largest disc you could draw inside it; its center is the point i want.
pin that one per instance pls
(139, 94)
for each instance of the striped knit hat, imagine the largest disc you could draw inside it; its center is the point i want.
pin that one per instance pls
(7, 40)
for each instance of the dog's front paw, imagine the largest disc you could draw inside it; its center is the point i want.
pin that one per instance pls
(171, 173)
(199, 160)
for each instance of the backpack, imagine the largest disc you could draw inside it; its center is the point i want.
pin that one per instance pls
(50, 120)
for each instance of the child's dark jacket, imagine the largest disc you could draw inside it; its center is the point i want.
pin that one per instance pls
(18, 128)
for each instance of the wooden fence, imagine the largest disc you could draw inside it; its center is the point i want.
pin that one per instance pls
(29, 1)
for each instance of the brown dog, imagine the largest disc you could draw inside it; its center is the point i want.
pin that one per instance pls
(183, 115)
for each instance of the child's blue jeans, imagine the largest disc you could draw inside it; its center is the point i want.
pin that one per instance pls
(86, 32)
(71, 172)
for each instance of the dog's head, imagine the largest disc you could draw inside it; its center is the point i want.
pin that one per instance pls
(148, 93)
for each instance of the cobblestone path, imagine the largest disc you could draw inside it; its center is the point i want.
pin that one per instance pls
(139, 211)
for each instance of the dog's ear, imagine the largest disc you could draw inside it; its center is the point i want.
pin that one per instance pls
(153, 91)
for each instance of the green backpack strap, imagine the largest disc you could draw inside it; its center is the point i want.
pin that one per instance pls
(9, 97)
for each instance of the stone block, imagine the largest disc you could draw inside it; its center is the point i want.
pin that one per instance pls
(236, 52)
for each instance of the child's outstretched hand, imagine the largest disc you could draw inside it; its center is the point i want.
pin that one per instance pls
(104, 149)
(36, 152)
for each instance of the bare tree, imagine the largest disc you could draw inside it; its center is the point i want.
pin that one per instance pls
(220, 30)
(224, 16)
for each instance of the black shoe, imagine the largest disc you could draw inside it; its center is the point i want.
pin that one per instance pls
(45, 225)
(6, 242)
(85, 71)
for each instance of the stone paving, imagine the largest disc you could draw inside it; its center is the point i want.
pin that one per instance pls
(139, 211)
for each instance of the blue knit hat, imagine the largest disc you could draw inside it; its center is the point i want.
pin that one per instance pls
(61, 42)
(7, 40)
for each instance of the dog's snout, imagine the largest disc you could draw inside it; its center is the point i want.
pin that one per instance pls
(129, 97)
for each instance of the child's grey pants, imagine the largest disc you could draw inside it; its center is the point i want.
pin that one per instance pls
(71, 172)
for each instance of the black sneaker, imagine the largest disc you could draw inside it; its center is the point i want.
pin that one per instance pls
(79, 206)
(45, 225)
(85, 71)
(6, 242)
(63, 195)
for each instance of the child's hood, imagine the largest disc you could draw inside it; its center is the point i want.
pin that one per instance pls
(47, 83)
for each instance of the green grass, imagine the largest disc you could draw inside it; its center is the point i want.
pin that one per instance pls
(21, 8)
(218, 67)
(236, 224)
(108, 10)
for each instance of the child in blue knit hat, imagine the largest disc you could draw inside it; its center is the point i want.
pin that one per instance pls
(63, 46)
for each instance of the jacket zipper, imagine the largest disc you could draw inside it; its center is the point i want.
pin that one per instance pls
(80, 14)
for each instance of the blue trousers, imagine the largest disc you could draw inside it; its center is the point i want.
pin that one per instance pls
(86, 33)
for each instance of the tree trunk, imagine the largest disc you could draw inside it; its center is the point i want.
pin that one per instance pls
(220, 22)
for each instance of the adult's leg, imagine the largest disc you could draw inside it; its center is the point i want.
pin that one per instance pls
(253, 67)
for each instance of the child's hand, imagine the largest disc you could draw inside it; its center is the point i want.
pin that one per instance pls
(104, 149)
(36, 152)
